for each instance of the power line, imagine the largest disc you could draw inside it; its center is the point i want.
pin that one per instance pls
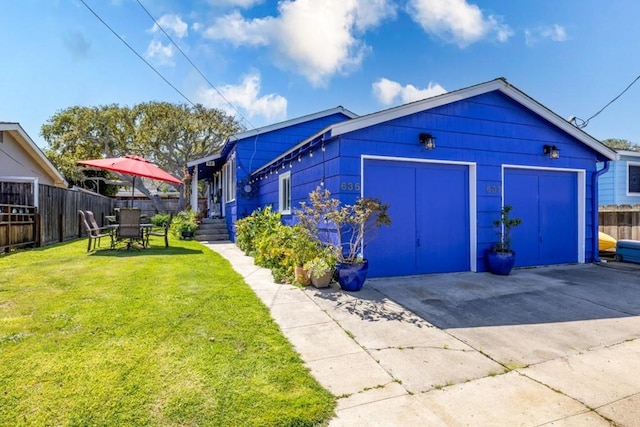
(194, 65)
(137, 54)
(586, 122)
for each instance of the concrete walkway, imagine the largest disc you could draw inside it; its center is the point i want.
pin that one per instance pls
(553, 346)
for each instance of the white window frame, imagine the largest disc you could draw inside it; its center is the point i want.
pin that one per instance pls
(229, 180)
(284, 193)
(629, 192)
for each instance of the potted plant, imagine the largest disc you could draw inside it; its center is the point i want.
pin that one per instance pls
(303, 247)
(500, 258)
(321, 268)
(350, 225)
(184, 224)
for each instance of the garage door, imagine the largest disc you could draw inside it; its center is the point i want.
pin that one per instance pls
(429, 209)
(547, 202)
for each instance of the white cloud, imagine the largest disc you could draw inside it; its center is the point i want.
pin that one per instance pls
(172, 24)
(160, 53)
(555, 32)
(296, 41)
(239, 31)
(457, 21)
(388, 92)
(239, 3)
(246, 97)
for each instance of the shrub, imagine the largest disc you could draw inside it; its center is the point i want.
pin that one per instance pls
(249, 230)
(184, 221)
(160, 219)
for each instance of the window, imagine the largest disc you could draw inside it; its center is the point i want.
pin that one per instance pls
(284, 180)
(229, 180)
(633, 172)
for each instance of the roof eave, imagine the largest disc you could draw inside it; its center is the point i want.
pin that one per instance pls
(35, 152)
(498, 84)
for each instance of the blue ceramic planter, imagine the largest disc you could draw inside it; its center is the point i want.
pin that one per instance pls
(351, 277)
(500, 262)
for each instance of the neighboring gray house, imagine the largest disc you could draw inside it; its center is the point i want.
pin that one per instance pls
(22, 161)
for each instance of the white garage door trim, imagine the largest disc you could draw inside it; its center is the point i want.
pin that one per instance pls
(581, 202)
(473, 229)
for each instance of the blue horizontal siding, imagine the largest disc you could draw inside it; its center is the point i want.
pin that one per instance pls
(489, 131)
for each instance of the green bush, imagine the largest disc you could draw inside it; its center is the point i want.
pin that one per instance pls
(274, 245)
(250, 229)
(185, 221)
(160, 219)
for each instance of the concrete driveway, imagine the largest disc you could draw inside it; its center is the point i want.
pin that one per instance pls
(546, 346)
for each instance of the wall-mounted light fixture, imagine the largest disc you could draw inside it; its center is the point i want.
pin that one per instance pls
(552, 151)
(428, 140)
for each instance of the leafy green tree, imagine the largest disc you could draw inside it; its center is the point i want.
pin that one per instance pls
(168, 135)
(621, 144)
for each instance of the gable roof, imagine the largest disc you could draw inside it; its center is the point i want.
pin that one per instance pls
(33, 151)
(499, 84)
(231, 141)
(293, 122)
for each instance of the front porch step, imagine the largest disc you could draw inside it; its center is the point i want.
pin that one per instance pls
(212, 230)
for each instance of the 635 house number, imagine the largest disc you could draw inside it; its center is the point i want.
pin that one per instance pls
(494, 189)
(350, 186)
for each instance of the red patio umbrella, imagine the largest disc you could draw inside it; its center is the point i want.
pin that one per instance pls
(132, 165)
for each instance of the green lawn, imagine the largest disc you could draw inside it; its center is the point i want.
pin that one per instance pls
(157, 337)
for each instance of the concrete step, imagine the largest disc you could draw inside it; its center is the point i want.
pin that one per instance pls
(212, 237)
(212, 230)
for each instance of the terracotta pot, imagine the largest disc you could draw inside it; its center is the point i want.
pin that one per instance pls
(302, 276)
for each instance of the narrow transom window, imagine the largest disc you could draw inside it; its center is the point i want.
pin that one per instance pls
(284, 180)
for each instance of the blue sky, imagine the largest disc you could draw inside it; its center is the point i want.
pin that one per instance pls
(279, 60)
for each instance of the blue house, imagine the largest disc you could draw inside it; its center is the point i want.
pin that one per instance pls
(620, 185)
(446, 165)
(232, 193)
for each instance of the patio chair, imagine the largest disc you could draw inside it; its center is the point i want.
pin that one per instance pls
(94, 225)
(162, 231)
(94, 234)
(129, 227)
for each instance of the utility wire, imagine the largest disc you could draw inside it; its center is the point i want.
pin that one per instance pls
(586, 122)
(137, 54)
(194, 65)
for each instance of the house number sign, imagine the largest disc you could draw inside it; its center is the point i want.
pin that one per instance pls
(350, 186)
(493, 189)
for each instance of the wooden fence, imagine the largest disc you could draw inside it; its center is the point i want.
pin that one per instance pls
(620, 221)
(56, 218)
(59, 212)
(18, 227)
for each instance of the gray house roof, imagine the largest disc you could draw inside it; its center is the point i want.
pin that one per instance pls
(34, 152)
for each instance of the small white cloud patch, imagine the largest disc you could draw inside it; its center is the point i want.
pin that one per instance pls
(388, 92)
(555, 33)
(246, 96)
(457, 21)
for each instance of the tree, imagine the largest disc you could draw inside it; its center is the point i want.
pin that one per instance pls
(621, 144)
(168, 135)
